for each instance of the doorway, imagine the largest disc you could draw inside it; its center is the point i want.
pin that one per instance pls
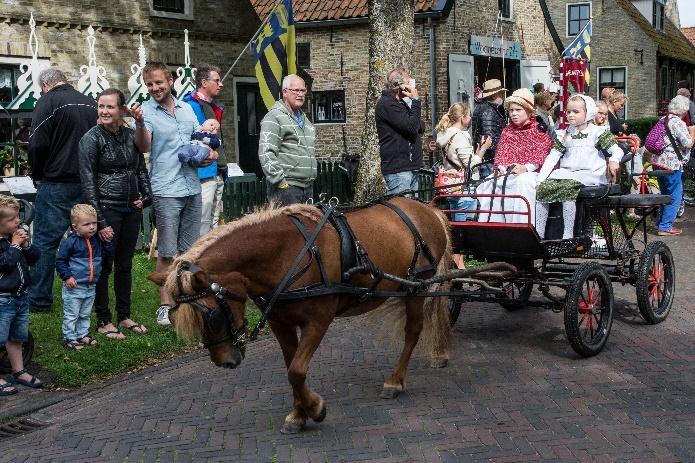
(250, 110)
(487, 68)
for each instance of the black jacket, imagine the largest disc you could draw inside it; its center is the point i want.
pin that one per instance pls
(14, 267)
(489, 119)
(616, 124)
(399, 128)
(60, 119)
(112, 170)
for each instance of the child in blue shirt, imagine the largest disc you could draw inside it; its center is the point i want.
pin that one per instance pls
(16, 255)
(79, 266)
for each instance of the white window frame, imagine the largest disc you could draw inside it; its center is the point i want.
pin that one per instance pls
(186, 15)
(663, 14)
(567, 16)
(598, 84)
(511, 12)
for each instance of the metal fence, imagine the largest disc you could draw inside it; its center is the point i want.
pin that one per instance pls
(243, 194)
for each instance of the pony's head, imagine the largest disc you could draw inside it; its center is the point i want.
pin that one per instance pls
(203, 308)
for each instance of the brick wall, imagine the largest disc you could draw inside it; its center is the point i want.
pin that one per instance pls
(62, 34)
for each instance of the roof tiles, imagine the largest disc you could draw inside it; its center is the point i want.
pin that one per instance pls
(324, 10)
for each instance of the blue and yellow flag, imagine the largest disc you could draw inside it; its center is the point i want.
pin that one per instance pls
(580, 48)
(275, 52)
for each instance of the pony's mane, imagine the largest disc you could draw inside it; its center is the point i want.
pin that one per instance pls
(186, 319)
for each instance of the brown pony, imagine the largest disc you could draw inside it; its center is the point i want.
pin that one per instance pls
(250, 256)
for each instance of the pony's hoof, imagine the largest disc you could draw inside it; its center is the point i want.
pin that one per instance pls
(389, 393)
(439, 362)
(292, 427)
(322, 413)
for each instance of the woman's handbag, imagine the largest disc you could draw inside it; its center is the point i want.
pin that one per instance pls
(444, 178)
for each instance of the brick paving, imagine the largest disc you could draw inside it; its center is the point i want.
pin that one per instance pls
(514, 391)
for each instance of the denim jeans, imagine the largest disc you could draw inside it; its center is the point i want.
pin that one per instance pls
(401, 181)
(290, 195)
(77, 308)
(178, 223)
(14, 319)
(53, 203)
(211, 192)
(126, 228)
(461, 203)
(670, 185)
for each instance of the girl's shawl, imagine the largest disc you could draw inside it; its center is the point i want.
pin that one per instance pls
(529, 144)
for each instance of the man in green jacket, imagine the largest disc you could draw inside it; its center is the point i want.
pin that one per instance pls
(286, 147)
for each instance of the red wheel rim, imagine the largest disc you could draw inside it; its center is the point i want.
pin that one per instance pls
(590, 309)
(656, 282)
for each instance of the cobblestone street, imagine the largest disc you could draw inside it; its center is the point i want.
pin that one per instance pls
(514, 391)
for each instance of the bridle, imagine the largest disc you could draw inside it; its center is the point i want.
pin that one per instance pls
(235, 334)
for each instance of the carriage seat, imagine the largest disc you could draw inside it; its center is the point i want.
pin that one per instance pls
(599, 191)
(636, 200)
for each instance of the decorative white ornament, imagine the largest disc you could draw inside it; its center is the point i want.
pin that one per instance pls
(185, 80)
(93, 80)
(136, 84)
(29, 90)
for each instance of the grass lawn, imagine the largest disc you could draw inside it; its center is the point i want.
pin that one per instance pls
(68, 368)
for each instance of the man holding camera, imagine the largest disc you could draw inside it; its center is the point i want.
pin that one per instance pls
(399, 126)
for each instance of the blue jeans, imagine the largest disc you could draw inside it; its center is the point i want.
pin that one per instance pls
(461, 203)
(77, 308)
(14, 319)
(53, 203)
(401, 181)
(670, 185)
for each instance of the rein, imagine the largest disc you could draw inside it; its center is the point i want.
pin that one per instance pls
(236, 334)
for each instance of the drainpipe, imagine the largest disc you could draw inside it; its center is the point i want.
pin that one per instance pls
(433, 77)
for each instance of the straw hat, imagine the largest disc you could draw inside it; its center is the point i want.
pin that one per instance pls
(523, 97)
(492, 86)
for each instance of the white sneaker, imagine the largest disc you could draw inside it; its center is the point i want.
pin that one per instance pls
(163, 315)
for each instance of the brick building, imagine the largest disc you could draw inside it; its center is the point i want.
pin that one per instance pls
(62, 31)
(637, 47)
(332, 39)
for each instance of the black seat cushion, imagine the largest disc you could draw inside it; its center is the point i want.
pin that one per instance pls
(599, 191)
(637, 200)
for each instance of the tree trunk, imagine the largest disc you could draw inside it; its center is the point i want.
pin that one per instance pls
(391, 36)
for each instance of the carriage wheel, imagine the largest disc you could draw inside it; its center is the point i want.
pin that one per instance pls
(454, 305)
(522, 294)
(27, 353)
(656, 276)
(589, 309)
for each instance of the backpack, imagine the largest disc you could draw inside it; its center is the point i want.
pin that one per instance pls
(654, 143)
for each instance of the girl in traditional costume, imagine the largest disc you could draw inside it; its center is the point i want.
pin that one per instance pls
(521, 151)
(581, 163)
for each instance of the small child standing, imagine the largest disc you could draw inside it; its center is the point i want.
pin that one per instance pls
(16, 255)
(198, 150)
(79, 266)
(579, 150)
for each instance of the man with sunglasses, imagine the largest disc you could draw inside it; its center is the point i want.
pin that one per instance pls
(286, 147)
(205, 106)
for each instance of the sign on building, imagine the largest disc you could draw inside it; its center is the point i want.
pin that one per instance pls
(495, 47)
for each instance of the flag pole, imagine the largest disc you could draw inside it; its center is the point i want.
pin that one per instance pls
(253, 37)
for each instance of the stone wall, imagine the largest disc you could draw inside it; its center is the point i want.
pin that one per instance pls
(62, 34)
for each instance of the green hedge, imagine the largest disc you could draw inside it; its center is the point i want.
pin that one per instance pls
(641, 126)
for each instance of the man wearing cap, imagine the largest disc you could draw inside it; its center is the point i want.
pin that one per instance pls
(489, 118)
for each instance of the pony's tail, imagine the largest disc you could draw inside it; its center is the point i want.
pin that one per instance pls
(436, 329)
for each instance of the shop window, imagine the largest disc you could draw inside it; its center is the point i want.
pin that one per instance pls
(173, 9)
(505, 8)
(615, 78)
(304, 55)
(329, 107)
(658, 15)
(8, 83)
(578, 15)
(171, 6)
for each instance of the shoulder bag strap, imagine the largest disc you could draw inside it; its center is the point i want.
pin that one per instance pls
(676, 145)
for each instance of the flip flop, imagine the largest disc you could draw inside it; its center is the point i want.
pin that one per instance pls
(73, 344)
(32, 383)
(4, 389)
(88, 341)
(135, 328)
(109, 334)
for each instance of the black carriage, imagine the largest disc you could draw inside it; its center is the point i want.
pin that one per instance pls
(607, 248)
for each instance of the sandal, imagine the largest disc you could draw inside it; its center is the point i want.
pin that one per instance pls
(33, 383)
(73, 344)
(135, 328)
(7, 389)
(111, 334)
(88, 341)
